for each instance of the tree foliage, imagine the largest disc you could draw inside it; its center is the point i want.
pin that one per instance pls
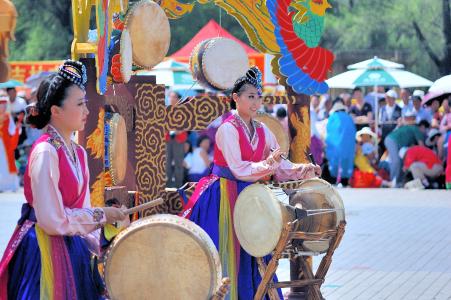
(418, 28)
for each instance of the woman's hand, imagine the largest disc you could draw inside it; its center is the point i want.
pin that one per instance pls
(114, 214)
(309, 171)
(276, 156)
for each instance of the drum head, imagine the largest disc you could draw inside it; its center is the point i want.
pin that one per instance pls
(126, 56)
(322, 196)
(258, 219)
(277, 129)
(162, 257)
(149, 32)
(223, 62)
(118, 149)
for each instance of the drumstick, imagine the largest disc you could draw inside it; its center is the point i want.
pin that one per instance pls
(143, 206)
(282, 156)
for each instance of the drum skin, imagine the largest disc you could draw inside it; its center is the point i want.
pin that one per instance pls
(150, 33)
(258, 219)
(217, 63)
(162, 257)
(117, 148)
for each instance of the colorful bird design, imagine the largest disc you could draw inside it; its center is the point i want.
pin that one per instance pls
(291, 31)
(305, 68)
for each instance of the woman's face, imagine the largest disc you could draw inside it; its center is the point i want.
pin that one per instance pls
(74, 112)
(249, 102)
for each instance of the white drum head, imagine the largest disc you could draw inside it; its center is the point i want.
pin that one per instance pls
(223, 62)
(162, 257)
(126, 56)
(258, 220)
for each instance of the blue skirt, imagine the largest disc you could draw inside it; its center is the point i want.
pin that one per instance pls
(25, 269)
(205, 213)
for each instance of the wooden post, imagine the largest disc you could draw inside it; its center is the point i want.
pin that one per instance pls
(299, 125)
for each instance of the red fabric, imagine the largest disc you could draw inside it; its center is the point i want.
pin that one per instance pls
(421, 154)
(247, 154)
(68, 183)
(365, 180)
(10, 143)
(179, 137)
(210, 30)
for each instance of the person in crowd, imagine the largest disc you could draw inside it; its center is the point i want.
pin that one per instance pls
(389, 114)
(404, 136)
(365, 174)
(406, 101)
(340, 149)
(445, 129)
(282, 116)
(423, 164)
(198, 163)
(361, 111)
(246, 151)
(49, 255)
(17, 104)
(324, 111)
(9, 138)
(377, 93)
(346, 99)
(174, 151)
(421, 112)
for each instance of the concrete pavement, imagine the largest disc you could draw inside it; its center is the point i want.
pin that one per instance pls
(397, 244)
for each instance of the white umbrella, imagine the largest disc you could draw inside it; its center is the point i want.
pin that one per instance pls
(366, 64)
(377, 77)
(442, 85)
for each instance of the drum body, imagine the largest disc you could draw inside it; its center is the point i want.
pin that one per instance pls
(261, 212)
(217, 63)
(150, 33)
(162, 257)
(318, 194)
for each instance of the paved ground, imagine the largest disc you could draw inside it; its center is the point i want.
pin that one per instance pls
(397, 245)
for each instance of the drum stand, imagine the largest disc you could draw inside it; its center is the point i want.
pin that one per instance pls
(312, 282)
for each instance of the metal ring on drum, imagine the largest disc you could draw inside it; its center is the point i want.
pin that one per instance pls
(162, 257)
(262, 211)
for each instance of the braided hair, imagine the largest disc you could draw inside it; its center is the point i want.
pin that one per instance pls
(53, 91)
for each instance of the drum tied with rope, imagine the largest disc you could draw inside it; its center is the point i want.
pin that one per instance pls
(262, 211)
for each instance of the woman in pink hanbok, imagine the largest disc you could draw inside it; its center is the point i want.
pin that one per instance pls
(246, 151)
(50, 255)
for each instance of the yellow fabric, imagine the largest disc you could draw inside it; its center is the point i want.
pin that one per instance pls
(226, 242)
(110, 231)
(46, 264)
(362, 162)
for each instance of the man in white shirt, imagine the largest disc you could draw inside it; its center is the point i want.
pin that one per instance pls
(17, 104)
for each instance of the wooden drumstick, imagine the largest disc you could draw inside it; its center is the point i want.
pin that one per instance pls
(143, 206)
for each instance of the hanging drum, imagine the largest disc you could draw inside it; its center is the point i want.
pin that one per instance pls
(277, 129)
(261, 213)
(115, 147)
(150, 34)
(217, 63)
(162, 257)
(121, 60)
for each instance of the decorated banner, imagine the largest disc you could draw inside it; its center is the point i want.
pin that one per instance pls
(21, 70)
